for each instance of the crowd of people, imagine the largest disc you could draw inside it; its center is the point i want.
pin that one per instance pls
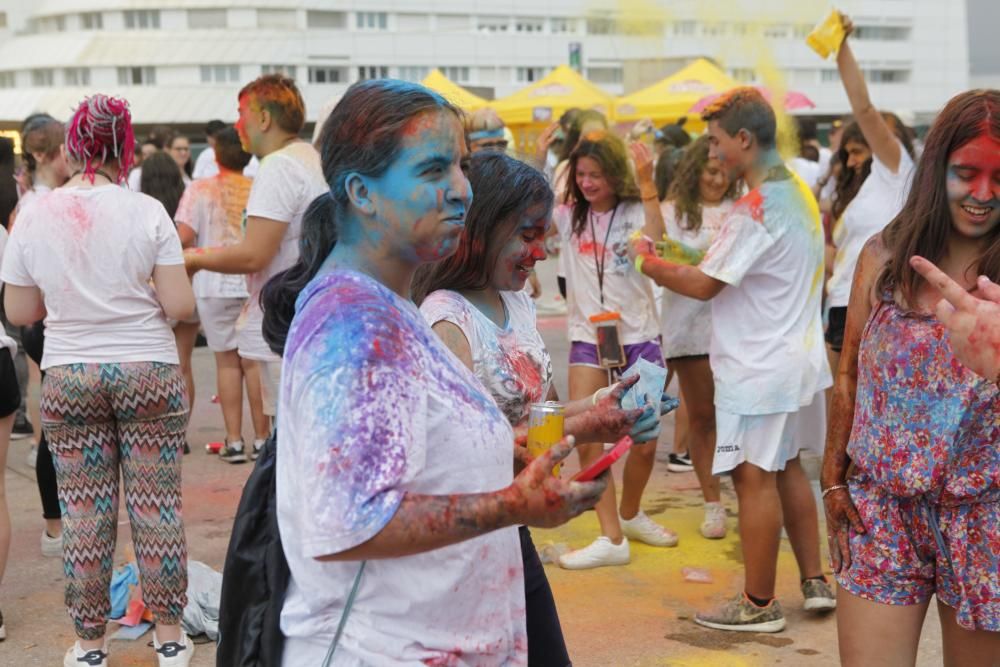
(369, 295)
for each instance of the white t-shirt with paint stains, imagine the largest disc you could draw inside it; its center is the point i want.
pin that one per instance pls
(511, 361)
(91, 251)
(626, 291)
(767, 351)
(287, 182)
(214, 207)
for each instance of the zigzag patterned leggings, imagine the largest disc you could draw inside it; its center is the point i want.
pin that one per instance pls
(99, 418)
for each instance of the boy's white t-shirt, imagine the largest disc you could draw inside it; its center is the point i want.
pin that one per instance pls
(626, 291)
(374, 407)
(879, 200)
(214, 208)
(511, 361)
(91, 251)
(287, 182)
(767, 351)
(686, 323)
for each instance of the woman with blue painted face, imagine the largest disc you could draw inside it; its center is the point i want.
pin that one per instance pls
(395, 470)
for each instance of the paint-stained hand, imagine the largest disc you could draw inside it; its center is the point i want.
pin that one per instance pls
(973, 323)
(642, 157)
(544, 142)
(606, 421)
(847, 24)
(841, 516)
(640, 244)
(538, 499)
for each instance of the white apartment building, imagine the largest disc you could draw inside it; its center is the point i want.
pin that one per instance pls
(183, 61)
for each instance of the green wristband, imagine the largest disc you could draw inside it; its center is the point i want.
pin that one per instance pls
(639, 259)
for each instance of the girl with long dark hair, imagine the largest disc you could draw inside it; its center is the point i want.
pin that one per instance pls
(408, 461)
(911, 472)
(474, 300)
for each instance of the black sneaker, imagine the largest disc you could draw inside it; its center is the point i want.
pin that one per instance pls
(231, 454)
(3, 628)
(679, 463)
(22, 428)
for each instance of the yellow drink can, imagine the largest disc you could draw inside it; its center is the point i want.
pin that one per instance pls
(545, 428)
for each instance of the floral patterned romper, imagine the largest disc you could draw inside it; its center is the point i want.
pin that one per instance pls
(926, 449)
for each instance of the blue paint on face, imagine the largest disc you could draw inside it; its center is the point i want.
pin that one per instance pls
(422, 198)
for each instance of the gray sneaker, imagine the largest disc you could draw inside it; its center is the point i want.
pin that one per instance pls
(742, 615)
(818, 595)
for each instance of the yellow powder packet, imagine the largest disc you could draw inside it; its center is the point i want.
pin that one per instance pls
(826, 38)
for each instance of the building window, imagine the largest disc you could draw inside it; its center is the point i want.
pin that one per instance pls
(220, 73)
(600, 26)
(412, 22)
(373, 72)
(91, 21)
(887, 75)
(713, 30)
(743, 74)
(3, 20)
(563, 26)
(372, 20)
(50, 24)
(891, 33)
(285, 70)
(76, 76)
(276, 18)
(326, 20)
(529, 25)
(605, 75)
(492, 24)
(802, 30)
(142, 19)
(530, 74)
(457, 74)
(741, 29)
(327, 75)
(829, 76)
(136, 76)
(413, 73)
(778, 31)
(6, 79)
(685, 28)
(206, 18)
(42, 78)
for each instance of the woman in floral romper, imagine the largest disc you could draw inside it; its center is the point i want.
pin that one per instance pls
(911, 475)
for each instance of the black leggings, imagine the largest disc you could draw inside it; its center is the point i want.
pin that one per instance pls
(546, 646)
(33, 340)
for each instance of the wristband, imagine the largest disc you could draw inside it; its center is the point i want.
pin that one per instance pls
(639, 259)
(829, 489)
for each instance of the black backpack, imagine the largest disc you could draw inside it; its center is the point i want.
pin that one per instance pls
(255, 576)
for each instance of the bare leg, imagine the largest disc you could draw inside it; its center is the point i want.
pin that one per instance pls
(698, 391)
(870, 633)
(6, 424)
(229, 380)
(760, 527)
(186, 334)
(584, 381)
(251, 375)
(681, 432)
(798, 505)
(638, 468)
(966, 648)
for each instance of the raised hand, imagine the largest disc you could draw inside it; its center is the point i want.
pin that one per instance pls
(973, 324)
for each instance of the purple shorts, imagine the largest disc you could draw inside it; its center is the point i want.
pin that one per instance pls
(585, 354)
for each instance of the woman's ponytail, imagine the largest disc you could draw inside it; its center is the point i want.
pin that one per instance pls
(277, 299)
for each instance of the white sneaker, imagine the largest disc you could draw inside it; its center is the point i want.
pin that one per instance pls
(77, 657)
(642, 528)
(174, 654)
(51, 546)
(714, 525)
(598, 553)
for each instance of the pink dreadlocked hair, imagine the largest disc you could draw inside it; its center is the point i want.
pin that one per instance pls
(101, 130)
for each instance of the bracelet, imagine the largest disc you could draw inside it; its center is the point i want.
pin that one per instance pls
(835, 487)
(639, 259)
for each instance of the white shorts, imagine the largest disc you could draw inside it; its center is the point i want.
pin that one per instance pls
(218, 321)
(768, 441)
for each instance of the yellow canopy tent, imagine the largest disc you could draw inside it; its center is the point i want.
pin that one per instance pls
(673, 97)
(544, 101)
(453, 92)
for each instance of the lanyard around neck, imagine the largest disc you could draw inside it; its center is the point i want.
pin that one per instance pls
(599, 263)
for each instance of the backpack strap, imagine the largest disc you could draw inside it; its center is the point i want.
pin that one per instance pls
(343, 616)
